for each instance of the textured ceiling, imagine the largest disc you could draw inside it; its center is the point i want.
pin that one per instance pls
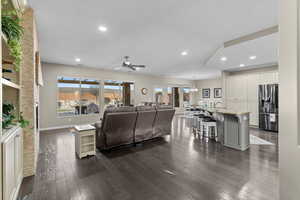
(153, 32)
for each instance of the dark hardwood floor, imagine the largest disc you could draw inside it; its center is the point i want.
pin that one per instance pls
(179, 167)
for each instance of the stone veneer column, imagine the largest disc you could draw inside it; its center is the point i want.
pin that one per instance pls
(28, 92)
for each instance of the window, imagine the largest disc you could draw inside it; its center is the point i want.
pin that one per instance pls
(176, 97)
(90, 96)
(163, 96)
(158, 95)
(118, 93)
(170, 97)
(77, 96)
(186, 96)
(112, 93)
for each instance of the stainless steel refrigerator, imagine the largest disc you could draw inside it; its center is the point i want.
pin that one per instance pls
(268, 107)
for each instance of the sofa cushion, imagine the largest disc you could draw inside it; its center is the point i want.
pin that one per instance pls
(144, 124)
(163, 122)
(120, 109)
(145, 108)
(118, 128)
(164, 107)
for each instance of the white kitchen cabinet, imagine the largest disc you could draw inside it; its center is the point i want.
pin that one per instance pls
(229, 91)
(268, 77)
(276, 77)
(12, 163)
(242, 92)
(236, 91)
(252, 98)
(253, 109)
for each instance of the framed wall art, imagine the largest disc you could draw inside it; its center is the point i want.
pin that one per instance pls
(206, 93)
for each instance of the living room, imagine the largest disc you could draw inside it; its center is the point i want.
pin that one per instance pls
(150, 100)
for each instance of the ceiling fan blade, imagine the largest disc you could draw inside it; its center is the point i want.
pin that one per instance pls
(131, 67)
(138, 66)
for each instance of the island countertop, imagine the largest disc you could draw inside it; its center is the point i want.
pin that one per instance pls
(224, 111)
(232, 127)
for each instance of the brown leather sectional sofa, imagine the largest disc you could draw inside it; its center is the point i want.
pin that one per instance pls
(129, 125)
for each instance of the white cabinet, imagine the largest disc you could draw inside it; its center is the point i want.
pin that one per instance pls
(231, 92)
(85, 140)
(19, 156)
(268, 77)
(9, 188)
(252, 98)
(236, 92)
(242, 91)
(276, 77)
(12, 149)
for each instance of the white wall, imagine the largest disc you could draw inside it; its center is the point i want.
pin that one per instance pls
(48, 93)
(289, 149)
(211, 84)
(242, 90)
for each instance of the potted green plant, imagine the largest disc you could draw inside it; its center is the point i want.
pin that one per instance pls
(7, 115)
(9, 119)
(23, 122)
(13, 30)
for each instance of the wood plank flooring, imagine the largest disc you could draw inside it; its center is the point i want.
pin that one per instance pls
(179, 167)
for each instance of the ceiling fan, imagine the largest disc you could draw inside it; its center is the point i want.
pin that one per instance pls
(128, 64)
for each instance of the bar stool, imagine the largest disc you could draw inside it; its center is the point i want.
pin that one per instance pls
(209, 128)
(194, 123)
(195, 119)
(199, 129)
(187, 112)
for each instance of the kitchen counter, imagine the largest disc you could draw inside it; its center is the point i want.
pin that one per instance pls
(224, 111)
(232, 127)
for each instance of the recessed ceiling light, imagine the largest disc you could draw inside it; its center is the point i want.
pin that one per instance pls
(184, 53)
(102, 28)
(77, 59)
(224, 58)
(252, 57)
(242, 65)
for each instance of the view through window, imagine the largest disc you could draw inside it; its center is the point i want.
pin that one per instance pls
(170, 97)
(118, 93)
(78, 96)
(158, 95)
(186, 96)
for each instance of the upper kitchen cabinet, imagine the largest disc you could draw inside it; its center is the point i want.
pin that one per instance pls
(252, 96)
(268, 77)
(236, 90)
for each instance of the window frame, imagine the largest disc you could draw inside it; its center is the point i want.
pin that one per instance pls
(117, 80)
(80, 79)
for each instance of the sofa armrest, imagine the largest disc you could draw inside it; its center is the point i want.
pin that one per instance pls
(100, 137)
(98, 125)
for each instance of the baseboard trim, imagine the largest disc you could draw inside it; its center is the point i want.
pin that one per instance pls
(56, 127)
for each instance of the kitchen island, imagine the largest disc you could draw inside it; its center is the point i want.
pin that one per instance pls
(232, 127)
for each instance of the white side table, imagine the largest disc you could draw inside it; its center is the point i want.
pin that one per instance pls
(85, 140)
